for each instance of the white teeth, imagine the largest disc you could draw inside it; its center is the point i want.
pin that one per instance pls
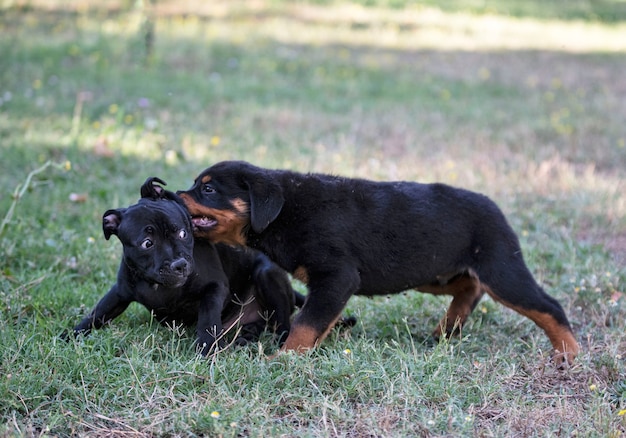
(203, 221)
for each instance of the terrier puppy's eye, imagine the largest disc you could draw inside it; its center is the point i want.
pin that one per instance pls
(147, 244)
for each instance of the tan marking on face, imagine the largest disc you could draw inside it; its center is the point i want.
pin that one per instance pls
(229, 227)
(205, 179)
(241, 206)
(301, 274)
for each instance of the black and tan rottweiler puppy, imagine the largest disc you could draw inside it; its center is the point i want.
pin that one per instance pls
(345, 236)
(212, 286)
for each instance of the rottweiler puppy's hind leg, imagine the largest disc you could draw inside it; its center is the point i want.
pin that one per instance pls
(466, 292)
(517, 289)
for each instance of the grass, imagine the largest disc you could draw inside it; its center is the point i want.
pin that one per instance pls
(526, 106)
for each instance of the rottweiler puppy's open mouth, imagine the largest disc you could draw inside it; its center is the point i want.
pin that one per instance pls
(203, 223)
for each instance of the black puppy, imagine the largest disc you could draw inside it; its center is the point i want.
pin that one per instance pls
(213, 286)
(346, 236)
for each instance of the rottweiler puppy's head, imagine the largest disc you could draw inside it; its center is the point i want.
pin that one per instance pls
(229, 198)
(156, 236)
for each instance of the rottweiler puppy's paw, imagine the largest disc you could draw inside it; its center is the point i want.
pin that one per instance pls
(564, 360)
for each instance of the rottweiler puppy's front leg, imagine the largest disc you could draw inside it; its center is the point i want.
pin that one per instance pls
(329, 293)
(209, 329)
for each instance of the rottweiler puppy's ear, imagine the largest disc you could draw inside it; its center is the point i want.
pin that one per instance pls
(151, 189)
(111, 221)
(266, 201)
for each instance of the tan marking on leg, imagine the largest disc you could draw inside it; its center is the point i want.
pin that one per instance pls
(466, 291)
(565, 346)
(563, 342)
(328, 329)
(301, 338)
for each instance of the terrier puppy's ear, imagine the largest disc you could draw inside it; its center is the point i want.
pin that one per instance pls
(111, 221)
(151, 189)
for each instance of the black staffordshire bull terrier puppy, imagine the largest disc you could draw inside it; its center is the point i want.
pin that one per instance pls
(212, 286)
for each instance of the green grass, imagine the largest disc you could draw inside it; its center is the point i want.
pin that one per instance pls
(526, 106)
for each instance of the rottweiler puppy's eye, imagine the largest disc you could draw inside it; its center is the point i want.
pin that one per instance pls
(208, 188)
(182, 234)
